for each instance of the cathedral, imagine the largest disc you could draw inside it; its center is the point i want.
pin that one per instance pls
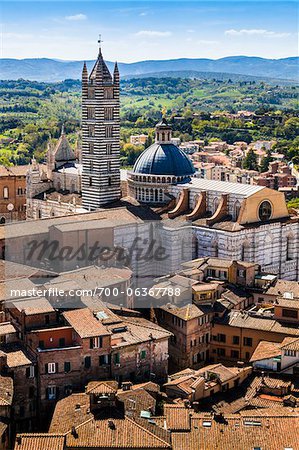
(228, 220)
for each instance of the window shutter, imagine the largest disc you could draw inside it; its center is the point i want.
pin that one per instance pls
(27, 372)
(56, 367)
(46, 368)
(90, 343)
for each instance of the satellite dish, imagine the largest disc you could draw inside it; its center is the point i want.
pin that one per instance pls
(10, 207)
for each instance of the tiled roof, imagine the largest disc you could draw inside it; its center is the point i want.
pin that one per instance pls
(266, 350)
(39, 441)
(114, 433)
(6, 328)
(70, 411)
(177, 417)
(282, 286)
(137, 330)
(6, 391)
(16, 355)
(187, 312)
(242, 319)
(137, 400)
(246, 431)
(33, 305)
(84, 323)
(102, 387)
(290, 344)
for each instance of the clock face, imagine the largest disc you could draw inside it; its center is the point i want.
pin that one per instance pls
(265, 211)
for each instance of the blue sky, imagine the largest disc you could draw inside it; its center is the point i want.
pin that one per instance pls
(139, 30)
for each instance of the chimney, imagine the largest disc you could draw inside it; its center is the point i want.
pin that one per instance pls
(111, 425)
(74, 432)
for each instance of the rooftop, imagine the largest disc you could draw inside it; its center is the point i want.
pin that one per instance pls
(243, 190)
(84, 323)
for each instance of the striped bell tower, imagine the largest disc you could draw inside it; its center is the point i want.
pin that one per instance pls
(100, 135)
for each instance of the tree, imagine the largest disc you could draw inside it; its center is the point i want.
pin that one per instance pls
(250, 161)
(266, 161)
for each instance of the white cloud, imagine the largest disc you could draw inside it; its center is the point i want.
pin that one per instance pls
(143, 14)
(153, 33)
(256, 32)
(76, 17)
(190, 31)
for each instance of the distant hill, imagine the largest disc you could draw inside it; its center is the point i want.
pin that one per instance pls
(44, 69)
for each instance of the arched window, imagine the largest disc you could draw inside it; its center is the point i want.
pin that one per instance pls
(2, 220)
(237, 208)
(5, 192)
(268, 250)
(289, 248)
(215, 204)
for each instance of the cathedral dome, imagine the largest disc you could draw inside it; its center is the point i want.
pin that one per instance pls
(163, 157)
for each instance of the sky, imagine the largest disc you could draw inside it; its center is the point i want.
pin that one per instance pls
(142, 30)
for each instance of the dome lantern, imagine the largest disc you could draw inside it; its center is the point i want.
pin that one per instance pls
(163, 132)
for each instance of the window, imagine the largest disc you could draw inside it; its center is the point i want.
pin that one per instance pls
(91, 92)
(108, 93)
(67, 366)
(96, 342)
(108, 166)
(41, 344)
(91, 113)
(236, 340)
(103, 360)
(90, 181)
(247, 341)
(108, 113)
(61, 342)
(47, 319)
(87, 362)
(290, 313)
(108, 132)
(51, 368)
(91, 147)
(143, 354)
(19, 191)
(30, 372)
(234, 354)
(5, 192)
(221, 351)
(241, 273)
(291, 353)
(265, 211)
(247, 355)
(51, 392)
(116, 358)
(91, 130)
(221, 337)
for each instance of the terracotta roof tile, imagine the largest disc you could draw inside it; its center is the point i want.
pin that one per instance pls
(115, 433)
(39, 441)
(266, 350)
(84, 323)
